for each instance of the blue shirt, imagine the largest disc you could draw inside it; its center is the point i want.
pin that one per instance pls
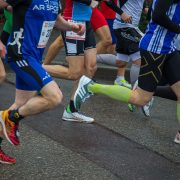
(33, 21)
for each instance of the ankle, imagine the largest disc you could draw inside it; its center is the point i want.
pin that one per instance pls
(14, 116)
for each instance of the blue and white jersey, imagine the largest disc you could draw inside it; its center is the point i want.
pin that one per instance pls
(177, 43)
(158, 39)
(33, 21)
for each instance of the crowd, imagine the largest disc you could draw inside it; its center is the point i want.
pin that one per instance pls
(154, 56)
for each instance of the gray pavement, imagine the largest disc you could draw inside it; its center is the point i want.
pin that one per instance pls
(119, 145)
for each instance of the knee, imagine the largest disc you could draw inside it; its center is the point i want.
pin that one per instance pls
(120, 64)
(56, 98)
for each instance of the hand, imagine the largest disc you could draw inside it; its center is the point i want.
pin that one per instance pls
(9, 8)
(146, 10)
(79, 29)
(126, 18)
(2, 50)
(94, 3)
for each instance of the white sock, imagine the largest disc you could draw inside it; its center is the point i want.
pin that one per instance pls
(108, 59)
(119, 78)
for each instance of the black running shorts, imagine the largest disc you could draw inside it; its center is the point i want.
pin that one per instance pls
(155, 66)
(127, 40)
(74, 45)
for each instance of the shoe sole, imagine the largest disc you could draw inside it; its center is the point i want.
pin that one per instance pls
(176, 141)
(4, 128)
(3, 162)
(77, 120)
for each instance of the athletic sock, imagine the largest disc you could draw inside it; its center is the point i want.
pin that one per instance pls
(119, 78)
(71, 108)
(109, 59)
(178, 112)
(134, 73)
(118, 93)
(15, 116)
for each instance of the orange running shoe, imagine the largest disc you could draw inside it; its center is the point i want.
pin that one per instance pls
(5, 159)
(10, 129)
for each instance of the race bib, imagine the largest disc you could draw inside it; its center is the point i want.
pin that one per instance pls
(47, 28)
(73, 35)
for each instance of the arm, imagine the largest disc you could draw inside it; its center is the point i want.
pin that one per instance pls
(111, 4)
(159, 16)
(3, 4)
(64, 25)
(2, 50)
(125, 17)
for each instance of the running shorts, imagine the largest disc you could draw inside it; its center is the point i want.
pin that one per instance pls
(127, 40)
(97, 19)
(155, 66)
(75, 45)
(4, 37)
(30, 75)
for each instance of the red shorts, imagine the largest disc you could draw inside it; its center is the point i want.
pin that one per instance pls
(97, 19)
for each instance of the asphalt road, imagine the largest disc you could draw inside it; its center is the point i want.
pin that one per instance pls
(119, 145)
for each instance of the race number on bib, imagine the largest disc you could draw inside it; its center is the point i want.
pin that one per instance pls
(73, 35)
(47, 28)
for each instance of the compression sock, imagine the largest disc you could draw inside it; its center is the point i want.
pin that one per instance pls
(118, 93)
(108, 59)
(15, 116)
(134, 73)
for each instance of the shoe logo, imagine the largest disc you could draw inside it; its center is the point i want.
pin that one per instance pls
(16, 115)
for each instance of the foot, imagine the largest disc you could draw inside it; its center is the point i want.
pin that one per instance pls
(5, 159)
(123, 82)
(76, 117)
(146, 109)
(177, 138)
(82, 92)
(131, 107)
(10, 129)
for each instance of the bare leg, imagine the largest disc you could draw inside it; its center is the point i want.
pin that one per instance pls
(53, 50)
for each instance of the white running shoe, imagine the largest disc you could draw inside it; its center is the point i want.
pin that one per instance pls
(76, 117)
(146, 108)
(82, 92)
(177, 138)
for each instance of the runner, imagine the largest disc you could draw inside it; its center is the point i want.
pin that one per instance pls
(159, 57)
(4, 158)
(32, 26)
(80, 54)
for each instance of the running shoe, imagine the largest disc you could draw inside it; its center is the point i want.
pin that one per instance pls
(10, 129)
(177, 138)
(76, 117)
(5, 159)
(146, 109)
(82, 92)
(124, 83)
(131, 107)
